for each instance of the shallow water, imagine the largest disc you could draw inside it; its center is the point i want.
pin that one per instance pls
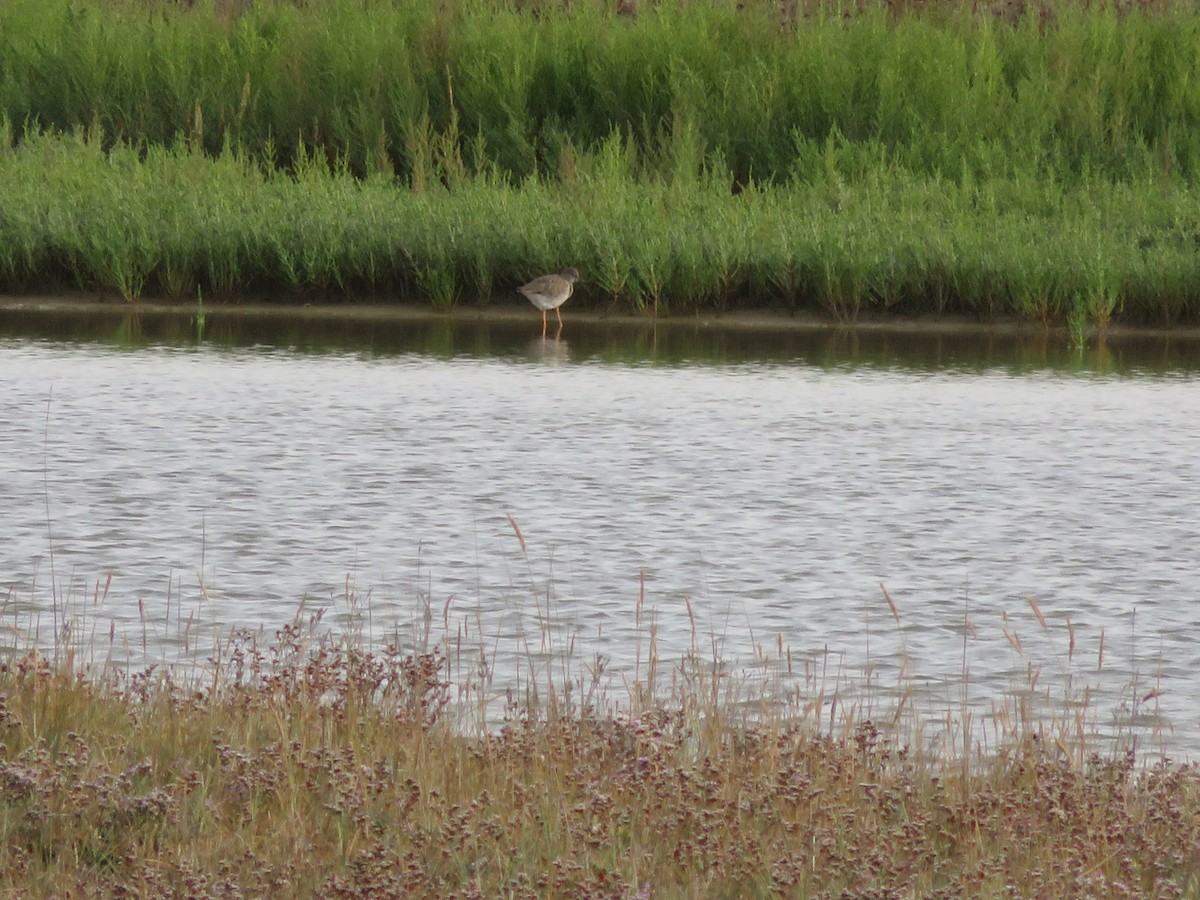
(372, 469)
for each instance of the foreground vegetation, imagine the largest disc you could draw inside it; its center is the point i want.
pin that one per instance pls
(968, 159)
(309, 767)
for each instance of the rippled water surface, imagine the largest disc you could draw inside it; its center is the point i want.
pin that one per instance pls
(764, 497)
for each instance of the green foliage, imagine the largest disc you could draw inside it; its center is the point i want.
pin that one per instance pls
(691, 157)
(171, 220)
(1092, 92)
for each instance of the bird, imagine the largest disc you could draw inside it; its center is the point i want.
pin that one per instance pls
(549, 292)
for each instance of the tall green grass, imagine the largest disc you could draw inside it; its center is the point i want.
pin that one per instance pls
(691, 157)
(166, 221)
(1080, 91)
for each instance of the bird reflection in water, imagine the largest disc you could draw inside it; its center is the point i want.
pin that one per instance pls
(550, 350)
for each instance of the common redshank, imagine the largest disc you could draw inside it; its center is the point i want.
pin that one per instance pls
(549, 292)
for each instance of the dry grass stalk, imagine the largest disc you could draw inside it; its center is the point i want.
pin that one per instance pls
(307, 764)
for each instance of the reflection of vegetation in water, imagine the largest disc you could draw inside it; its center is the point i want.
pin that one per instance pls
(439, 339)
(128, 332)
(671, 342)
(198, 318)
(689, 157)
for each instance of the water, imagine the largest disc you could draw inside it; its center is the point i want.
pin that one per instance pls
(759, 489)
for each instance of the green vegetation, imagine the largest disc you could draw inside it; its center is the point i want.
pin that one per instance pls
(691, 156)
(170, 220)
(402, 86)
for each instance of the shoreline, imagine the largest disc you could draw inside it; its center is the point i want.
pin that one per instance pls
(503, 311)
(329, 774)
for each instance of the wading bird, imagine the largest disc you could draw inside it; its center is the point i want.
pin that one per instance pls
(549, 292)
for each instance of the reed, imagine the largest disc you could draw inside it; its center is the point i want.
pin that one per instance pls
(1068, 90)
(689, 158)
(167, 221)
